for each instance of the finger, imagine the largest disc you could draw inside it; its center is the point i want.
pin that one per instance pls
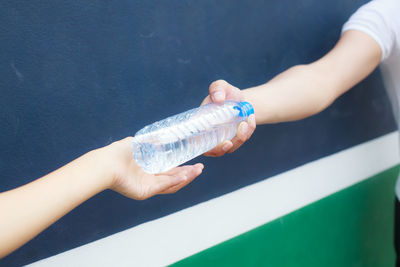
(244, 132)
(219, 150)
(191, 175)
(241, 136)
(177, 170)
(164, 182)
(189, 172)
(222, 88)
(217, 91)
(252, 125)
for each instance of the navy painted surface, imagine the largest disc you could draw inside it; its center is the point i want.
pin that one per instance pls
(75, 76)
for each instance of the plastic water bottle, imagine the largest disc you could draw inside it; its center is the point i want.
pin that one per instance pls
(168, 143)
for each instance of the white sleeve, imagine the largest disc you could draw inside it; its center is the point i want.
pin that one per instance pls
(377, 19)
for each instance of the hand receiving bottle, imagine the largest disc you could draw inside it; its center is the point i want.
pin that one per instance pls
(168, 143)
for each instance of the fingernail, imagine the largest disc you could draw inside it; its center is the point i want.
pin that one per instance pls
(218, 96)
(252, 117)
(226, 147)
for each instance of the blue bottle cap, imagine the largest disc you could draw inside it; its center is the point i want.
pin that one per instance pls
(245, 109)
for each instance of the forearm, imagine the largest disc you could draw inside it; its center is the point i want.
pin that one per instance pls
(29, 209)
(43, 201)
(305, 90)
(297, 93)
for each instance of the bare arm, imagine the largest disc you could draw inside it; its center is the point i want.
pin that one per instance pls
(305, 90)
(302, 90)
(29, 209)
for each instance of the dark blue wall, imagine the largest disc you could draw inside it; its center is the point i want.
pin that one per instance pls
(76, 75)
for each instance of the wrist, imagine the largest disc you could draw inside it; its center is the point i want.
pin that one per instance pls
(116, 159)
(101, 165)
(265, 108)
(247, 95)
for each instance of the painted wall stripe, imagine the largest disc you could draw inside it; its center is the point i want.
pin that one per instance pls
(184, 233)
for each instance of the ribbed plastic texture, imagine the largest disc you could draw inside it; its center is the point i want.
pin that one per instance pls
(168, 143)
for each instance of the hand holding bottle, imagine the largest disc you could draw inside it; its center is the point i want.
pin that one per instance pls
(219, 92)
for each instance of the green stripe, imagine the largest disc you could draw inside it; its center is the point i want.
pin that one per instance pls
(353, 227)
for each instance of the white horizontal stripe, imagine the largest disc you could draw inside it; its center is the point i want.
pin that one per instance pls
(189, 231)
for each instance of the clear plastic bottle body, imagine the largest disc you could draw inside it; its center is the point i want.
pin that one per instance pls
(168, 143)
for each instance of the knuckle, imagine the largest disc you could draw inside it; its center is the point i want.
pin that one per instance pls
(233, 150)
(242, 139)
(220, 82)
(141, 197)
(220, 154)
(252, 126)
(217, 84)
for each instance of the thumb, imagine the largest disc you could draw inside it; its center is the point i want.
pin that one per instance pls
(217, 91)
